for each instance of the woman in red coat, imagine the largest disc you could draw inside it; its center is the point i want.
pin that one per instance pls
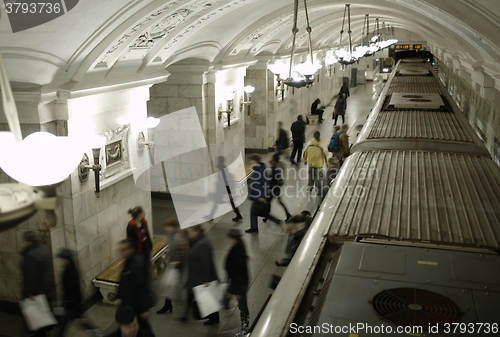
(138, 234)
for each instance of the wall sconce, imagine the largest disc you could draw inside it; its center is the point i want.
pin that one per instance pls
(151, 123)
(229, 108)
(97, 142)
(248, 90)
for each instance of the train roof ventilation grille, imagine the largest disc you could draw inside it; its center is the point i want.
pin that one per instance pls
(418, 101)
(415, 307)
(414, 72)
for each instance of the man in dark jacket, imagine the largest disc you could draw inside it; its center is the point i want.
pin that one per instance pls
(296, 229)
(127, 324)
(299, 138)
(72, 297)
(134, 289)
(237, 275)
(259, 192)
(316, 111)
(282, 141)
(36, 268)
(201, 269)
(344, 89)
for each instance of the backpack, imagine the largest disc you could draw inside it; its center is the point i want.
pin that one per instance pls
(334, 145)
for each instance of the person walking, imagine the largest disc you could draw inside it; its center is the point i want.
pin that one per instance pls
(296, 229)
(177, 250)
(128, 325)
(340, 107)
(332, 170)
(277, 180)
(298, 130)
(201, 269)
(344, 89)
(221, 191)
(134, 288)
(259, 192)
(138, 235)
(237, 275)
(341, 148)
(72, 296)
(282, 141)
(316, 111)
(315, 156)
(37, 272)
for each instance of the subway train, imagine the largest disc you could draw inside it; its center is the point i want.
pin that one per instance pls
(406, 242)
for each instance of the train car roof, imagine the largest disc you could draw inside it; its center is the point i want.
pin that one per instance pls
(396, 124)
(417, 196)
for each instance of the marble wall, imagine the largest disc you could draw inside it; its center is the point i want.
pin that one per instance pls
(256, 123)
(88, 224)
(474, 97)
(93, 225)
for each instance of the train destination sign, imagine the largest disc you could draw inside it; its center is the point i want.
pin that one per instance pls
(417, 46)
(403, 46)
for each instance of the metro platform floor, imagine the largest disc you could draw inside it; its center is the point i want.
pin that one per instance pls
(263, 248)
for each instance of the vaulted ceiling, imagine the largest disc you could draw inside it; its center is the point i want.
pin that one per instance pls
(122, 40)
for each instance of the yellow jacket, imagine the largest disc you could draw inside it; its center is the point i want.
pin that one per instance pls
(316, 153)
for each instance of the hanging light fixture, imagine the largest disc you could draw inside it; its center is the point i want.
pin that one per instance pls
(346, 56)
(41, 161)
(384, 43)
(303, 74)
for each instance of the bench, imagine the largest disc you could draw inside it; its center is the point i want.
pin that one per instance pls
(109, 280)
(313, 119)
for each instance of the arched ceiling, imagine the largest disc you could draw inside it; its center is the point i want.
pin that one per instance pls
(119, 40)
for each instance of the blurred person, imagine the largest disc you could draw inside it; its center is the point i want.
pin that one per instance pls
(201, 268)
(342, 144)
(134, 288)
(37, 272)
(128, 325)
(316, 111)
(332, 170)
(344, 89)
(221, 192)
(259, 192)
(277, 178)
(340, 107)
(177, 251)
(282, 141)
(298, 130)
(138, 235)
(296, 229)
(72, 296)
(315, 156)
(237, 274)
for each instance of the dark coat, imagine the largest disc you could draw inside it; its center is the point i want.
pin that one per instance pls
(141, 333)
(38, 275)
(259, 182)
(134, 235)
(134, 289)
(201, 267)
(345, 90)
(298, 132)
(282, 139)
(236, 265)
(292, 245)
(340, 106)
(314, 107)
(72, 298)
(177, 254)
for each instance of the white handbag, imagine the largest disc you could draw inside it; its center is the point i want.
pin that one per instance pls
(208, 298)
(37, 312)
(170, 284)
